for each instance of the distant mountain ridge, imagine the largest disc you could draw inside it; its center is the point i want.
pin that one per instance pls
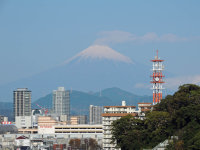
(80, 101)
(118, 95)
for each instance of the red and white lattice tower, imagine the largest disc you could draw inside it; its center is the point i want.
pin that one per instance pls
(157, 79)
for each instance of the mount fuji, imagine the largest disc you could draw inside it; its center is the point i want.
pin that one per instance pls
(97, 67)
(100, 52)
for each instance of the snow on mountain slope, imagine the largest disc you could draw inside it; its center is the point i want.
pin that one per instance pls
(100, 52)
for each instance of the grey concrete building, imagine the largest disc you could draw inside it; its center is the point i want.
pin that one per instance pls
(95, 114)
(22, 107)
(61, 102)
(22, 102)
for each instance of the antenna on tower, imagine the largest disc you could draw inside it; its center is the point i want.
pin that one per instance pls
(157, 53)
(157, 79)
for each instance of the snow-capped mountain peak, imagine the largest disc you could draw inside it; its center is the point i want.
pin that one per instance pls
(100, 52)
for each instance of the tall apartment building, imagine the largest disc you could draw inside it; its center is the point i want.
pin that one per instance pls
(95, 114)
(61, 102)
(22, 102)
(110, 114)
(22, 107)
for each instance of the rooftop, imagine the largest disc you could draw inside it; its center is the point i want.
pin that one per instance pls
(119, 106)
(118, 114)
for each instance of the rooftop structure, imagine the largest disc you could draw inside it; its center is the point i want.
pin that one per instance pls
(4, 129)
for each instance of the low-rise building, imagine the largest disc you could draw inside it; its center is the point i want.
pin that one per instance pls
(81, 128)
(45, 141)
(23, 121)
(143, 108)
(22, 141)
(28, 131)
(74, 120)
(64, 129)
(3, 119)
(46, 124)
(64, 118)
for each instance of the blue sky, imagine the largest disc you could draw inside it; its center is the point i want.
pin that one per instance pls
(38, 35)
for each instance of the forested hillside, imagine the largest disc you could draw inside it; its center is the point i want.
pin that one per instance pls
(176, 115)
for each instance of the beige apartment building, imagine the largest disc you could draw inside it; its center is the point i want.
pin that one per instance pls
(112, 113)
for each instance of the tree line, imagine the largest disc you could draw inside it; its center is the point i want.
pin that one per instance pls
(177, 115)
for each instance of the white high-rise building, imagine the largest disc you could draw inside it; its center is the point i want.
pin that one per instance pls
(95, 114)
(61, 102)
(112, 113)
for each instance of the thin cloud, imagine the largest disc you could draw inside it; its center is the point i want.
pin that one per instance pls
(114, 37)
(174, 83)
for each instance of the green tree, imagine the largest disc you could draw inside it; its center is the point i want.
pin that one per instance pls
(158, 125)
(175, 145)
(176, 115)
(194, 143)
(128, 133)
